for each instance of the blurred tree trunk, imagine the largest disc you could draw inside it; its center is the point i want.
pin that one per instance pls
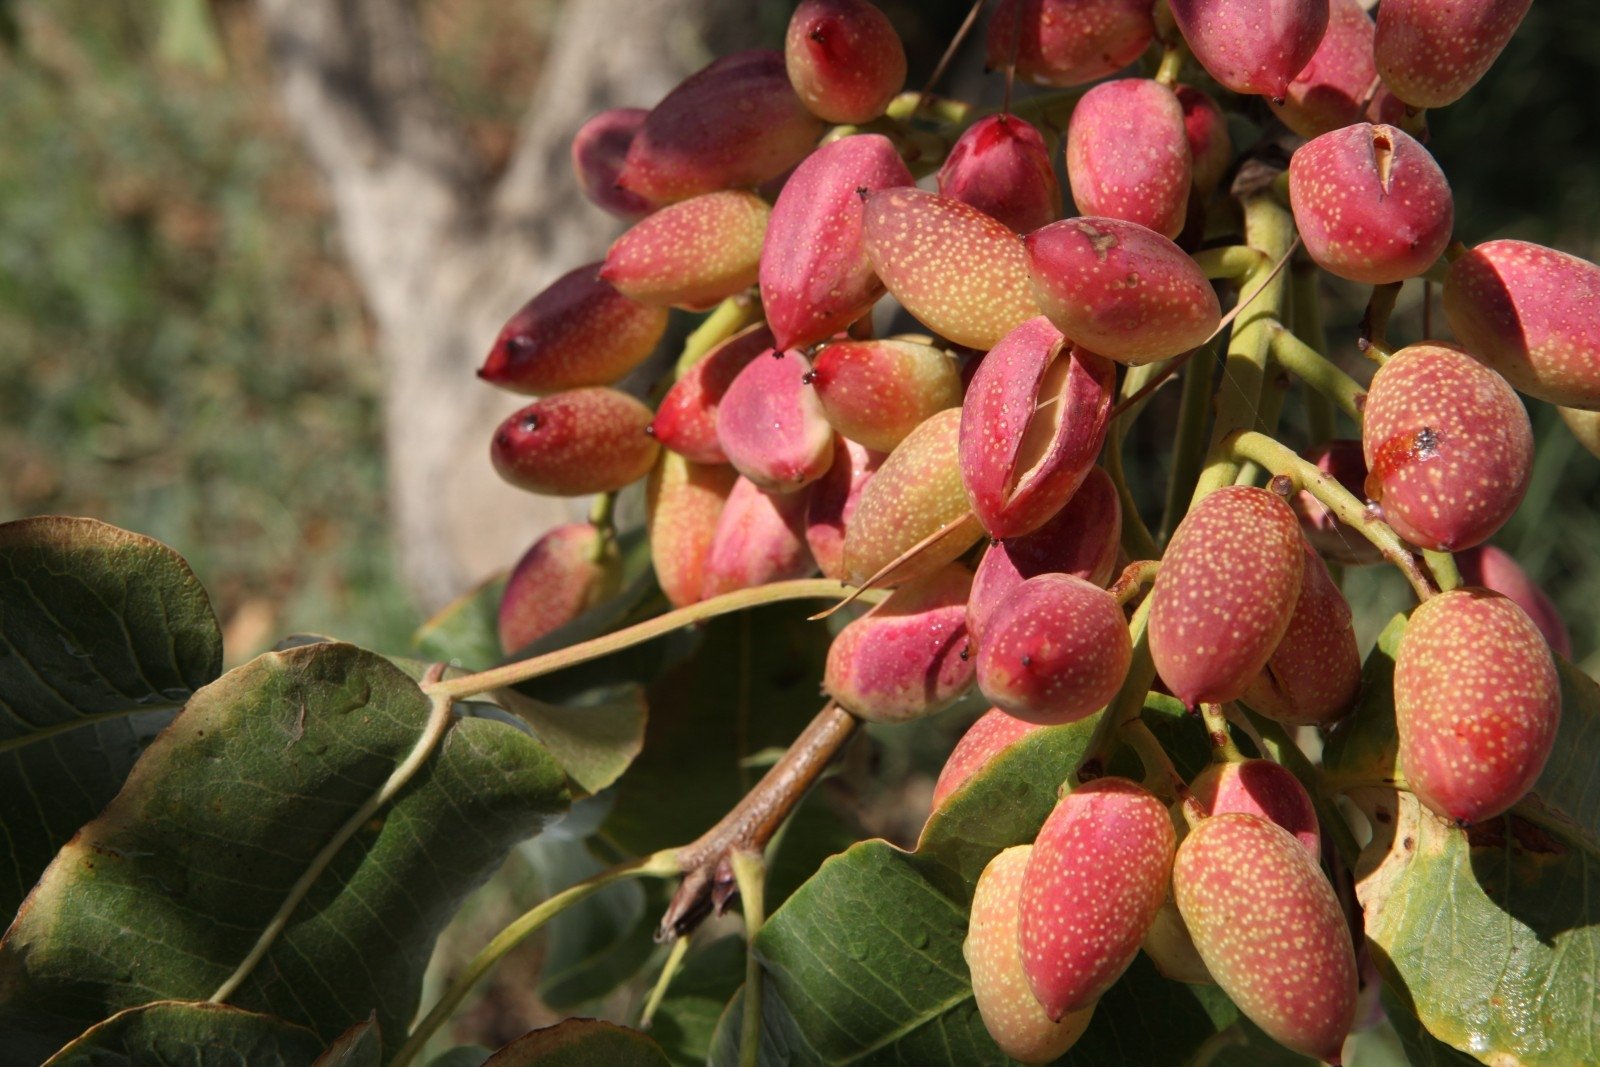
(443, 253)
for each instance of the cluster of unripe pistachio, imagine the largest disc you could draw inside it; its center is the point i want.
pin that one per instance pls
(797, 441)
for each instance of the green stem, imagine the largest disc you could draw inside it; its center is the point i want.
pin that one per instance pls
(663, 864)
(750, 871)
(1317, 371)
(467, 685)
(727, 319)
(1223, 750)
(658, 992)
(1442, 565)
(1273, 393)
(433, 731)
(1171, 65)
(1136, 538)
(1233, 263)
(1269, 229)
(1373, 339)
(1337, 499)
(1307, 310)
(1134, 577)
(1160, 776)
(1193, 411)
(1129, 700)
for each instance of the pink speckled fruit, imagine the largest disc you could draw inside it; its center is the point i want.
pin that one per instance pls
(1331, 91)
(683, 502)
(1342, 459)
(1067, 42)
(1476, 704)
(1431, 53)
(566, 572)
(1206, 128)
(1009, 1011)
(760, 538)
(737, 122)
(771, 426)
(815, 276)
(1252, 46)
(1265, 789)
(1267, 924)
(579, 331)
(907, 658)
(993, 733)
(1371, 203)
(686, 418)
(574, 443)
(1497, 570)
(1032, 424)
(1081, 539)
(1314, 675)
(959, 272)
(1121, 290)
(833, 501)
(1128, 155)
(691, 254)
(1055, 650)
(1225, 594)
(1448, 447)
(1001, 166)
(599, 150)
(877, 392)
(1533, 314)
(916, 492)
(1093, 885)
(844, 59)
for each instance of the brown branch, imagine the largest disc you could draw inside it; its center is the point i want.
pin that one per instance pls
(708, 881)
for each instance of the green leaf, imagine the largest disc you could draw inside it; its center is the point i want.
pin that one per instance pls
(359, 1046)
(103, 635)
(581, 1043)
(461, 1056)
(595, 738)
(1002, 805)
(466, 631)
(1421, 1048)
(179, 1034)
(166, 892)
(1491, 937)
(752, 682)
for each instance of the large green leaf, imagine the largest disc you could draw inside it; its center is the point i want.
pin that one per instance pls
(165, 893)
(180, 1034)
(103, 635)
(580, 1043)
(466, 631)
(863, 963)
(1491, 936)
(595, 738)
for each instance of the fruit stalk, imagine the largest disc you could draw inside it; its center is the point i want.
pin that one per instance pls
(509, 674)
(1261, 449)
(1317, 371)
(1269, 229)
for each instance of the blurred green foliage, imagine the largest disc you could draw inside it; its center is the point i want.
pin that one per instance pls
(183, 352)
